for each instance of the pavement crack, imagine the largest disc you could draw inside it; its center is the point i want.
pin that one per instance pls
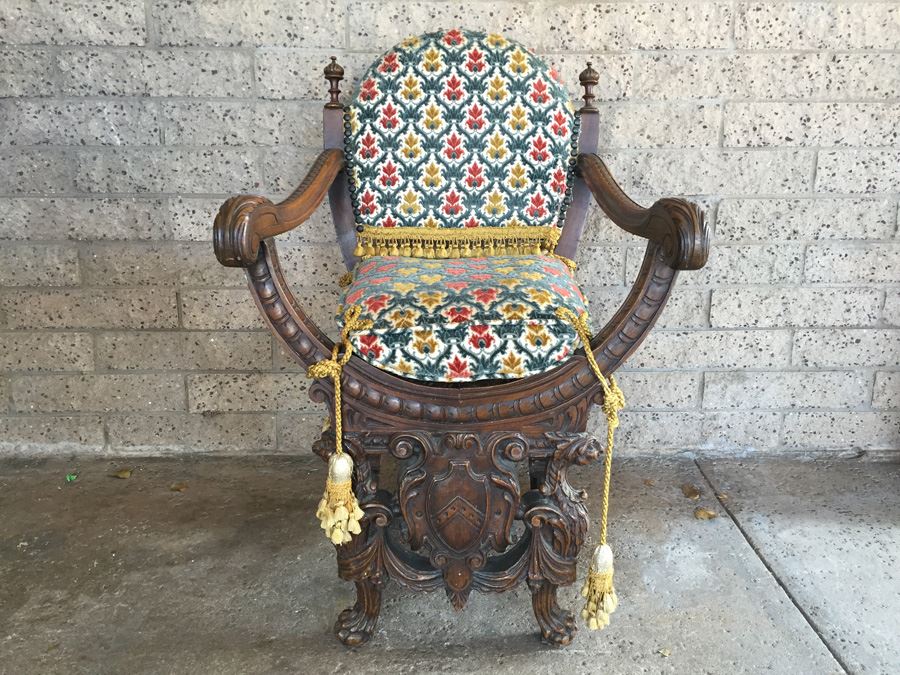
(781, 584)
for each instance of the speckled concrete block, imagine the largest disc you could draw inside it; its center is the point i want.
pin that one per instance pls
(161, 169)
(886, 394)
(853, 263)
(785, 390)
(818, 25)
(97, 393)
(26, 72)
(616, 73)
(262, 123)
(191, 218)
(170, 72)
(38, 265)
(868, 171)
(187, 350)
(80, 22)
(264, 392)
(600, 266)
(685, 309)
(766, 307)
(671, 432)
(659, 125)
(298, 431)
(739, 265)
(179, 433)
(891, 313)
(90, 308)
(279, 23)
(714, 349)
(37, 351)
(36, 171)
(229, 309)
(861, 347)
(810, 124)
(289, 73)
(51, 435)
(78, 123)
(660, 390)
(804, 219)
(82, 218)
(841, 430)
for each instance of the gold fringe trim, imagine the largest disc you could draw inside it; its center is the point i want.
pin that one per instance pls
(420, 242)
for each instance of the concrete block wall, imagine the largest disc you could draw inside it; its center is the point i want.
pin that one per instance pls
(124, 124)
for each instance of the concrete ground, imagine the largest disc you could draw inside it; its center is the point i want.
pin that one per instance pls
(800, 573)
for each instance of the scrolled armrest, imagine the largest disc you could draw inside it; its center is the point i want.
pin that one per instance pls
(677, 225)
(245, 220)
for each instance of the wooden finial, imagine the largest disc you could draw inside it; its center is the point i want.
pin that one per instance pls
(334, 73)
(588, 78)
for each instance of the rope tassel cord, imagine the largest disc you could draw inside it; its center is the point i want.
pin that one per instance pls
(598, 590)
(338, 511)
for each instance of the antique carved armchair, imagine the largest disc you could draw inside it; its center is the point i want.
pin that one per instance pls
(459, 178)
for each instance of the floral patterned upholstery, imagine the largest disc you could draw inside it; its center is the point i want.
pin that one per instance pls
(459, 130)
(464, 319)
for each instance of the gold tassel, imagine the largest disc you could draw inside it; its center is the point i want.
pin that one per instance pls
(338, 511)
(598, 590)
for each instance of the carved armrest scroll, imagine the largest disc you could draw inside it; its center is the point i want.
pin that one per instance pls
(245, 220)
(675, 224)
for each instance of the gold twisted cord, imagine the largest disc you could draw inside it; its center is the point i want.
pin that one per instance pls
(613, 402)
(334, 366)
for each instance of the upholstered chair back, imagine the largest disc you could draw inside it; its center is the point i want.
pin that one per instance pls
(458, 144)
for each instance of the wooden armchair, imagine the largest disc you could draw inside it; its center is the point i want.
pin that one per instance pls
(441, 125)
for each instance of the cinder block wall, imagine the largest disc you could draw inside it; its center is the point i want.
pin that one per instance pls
(124, 124)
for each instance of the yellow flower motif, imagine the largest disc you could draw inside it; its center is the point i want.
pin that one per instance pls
(407, 271)
(411, 90)
(403, 318)
(494, 204)
(432, 118)
(411, 41)
(411, 148)
(518, 119)
(432, 223)
(432, 60)
(536, 335)
(410, 204)
(513, 311)
(511, 365)
(431, 278)
(510, 283)
(540, 296)
(431, 299)
(504, 270)
(534, 276)
(424, 342)
(432, 175)
(496, 146)
(495, 40)
(403, 286)
(497, 89)
(403, 367)
(518, 62)
(518, 176)
(432, 265)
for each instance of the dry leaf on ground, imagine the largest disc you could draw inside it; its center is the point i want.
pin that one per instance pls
(703, 513)
(664, 652)
(691, 491)
(178, 487)
(122, 473)
(649, 482)
(722, 496)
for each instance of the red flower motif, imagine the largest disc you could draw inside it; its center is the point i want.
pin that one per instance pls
(472, 222)
(368, 149)
(539, 92)
(458, 369)
(368, 346)
(353, 297)
(459, 314)
(480, 277)
(536, 207)
(475, 119)
(559, 126)
(368, 205)
(485, 295)
(481, 337)
(456, 271)
(389, 64)
(475, 62)
(453, 37)
(539, 149)
(452, 206)
(562, 292)
(389, 116)
(559, 181)
(453, 148)
(376, 304)
(457, 285)
(367, 267)
(368, 90)
(388, 222)
(389, 174)
(474, 175)
(454, 90)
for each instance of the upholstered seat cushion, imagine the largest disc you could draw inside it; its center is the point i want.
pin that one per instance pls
(464, 319)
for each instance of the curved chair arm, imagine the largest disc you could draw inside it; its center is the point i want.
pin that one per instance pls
(675, 224)
(245, 220)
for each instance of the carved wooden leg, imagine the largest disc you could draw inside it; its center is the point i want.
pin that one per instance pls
(356, 624)
(557, 625)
